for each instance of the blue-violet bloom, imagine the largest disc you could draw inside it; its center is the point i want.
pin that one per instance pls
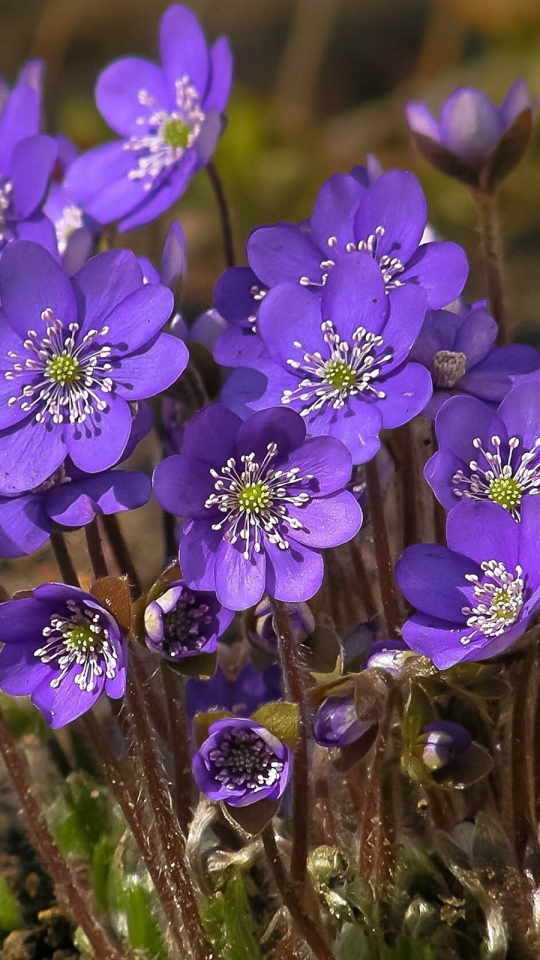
(170, 118)
(261, 501)
(487, 455)
(459, 351)
(335, 723)
(241, 762)
(76, 232)
(476, 596)
(62, 647)
(440, 743)
(340, 360)
(74, 352)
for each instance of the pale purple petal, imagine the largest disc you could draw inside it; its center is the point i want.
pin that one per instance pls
(117, 94)
(441, 268)
(221, 66)
(46, 287)
(327, 523)
(469, 124)
(29, 453)
(99, 442)
(294, 574)
(283, 254)
(183, 48)
(31, 167)
(395, 202)
(407, 393)
(151, 369)
(198, 548)
(484, 531)
(354, 296)
(24, 525)
(239, 583)
(96, 298)
(421, 120)
(430, 576)
(334, 213)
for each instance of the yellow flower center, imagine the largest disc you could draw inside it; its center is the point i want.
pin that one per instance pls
(339, 375)
(175, 133)
(63, 369)
(254, 497)
(506, 492)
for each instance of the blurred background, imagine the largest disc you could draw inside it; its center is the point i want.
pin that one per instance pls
(318, 85)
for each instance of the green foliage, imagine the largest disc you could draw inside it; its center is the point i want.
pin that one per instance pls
(10, 915)
(408, 948)
(227, 920)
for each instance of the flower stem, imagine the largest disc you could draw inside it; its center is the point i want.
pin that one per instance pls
(175, 695)
(293, 679)
(132, 808)
(66, 885)
(219, 194)
(387, 583)
(63, 559)
(95, 550)
(302, 921)
(175, 867)
(121, 553)
(492, 250)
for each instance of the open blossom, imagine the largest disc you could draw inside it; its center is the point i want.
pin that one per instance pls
(170, 119)
(72, 498)
(62, 647)
(474, 140)
(184, 623)
(340, 360)
(241, 762)
(488, 455)
(261, 502)
(459, 351)
(73, 354)
(476, 596)
(76, 232)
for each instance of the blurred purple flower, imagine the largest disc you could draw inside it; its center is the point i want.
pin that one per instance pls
(262, 502)
(244, 695)
(474, 140)
(477, 596)
(440, 743)
(170, 119)
(184, 623)
(336, 724)
(76, 232)
(74, 353)
(459, 351)
(62, 647)
(241, 762)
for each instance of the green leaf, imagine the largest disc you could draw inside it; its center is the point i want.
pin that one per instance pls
(132, 901)
(10, 916)
(408, 948)
(143, 930)
(82, 815)
(282, 719)
(352, 944)
(228, 922)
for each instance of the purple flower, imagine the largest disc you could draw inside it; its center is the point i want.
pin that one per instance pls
(459, 351)
(389, 655)
(262, 502)
(172, 272)
(340, 360)
(263, 635)
(474, 140)
(241, 762)
(487, 455)
(26, 161)
(385, 220)
(440, 743)
(170, 119)
(72, 498)
(336, 724)
(76, 232)
(244, 695)
(184, 623)
(74, 353)
(62, 647)
(475, 597)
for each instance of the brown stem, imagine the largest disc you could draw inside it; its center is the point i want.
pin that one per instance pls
(166, 820)
(95, 550)
(175, 695)
(302, 921)
(385, 567)
(63, 559)
(131, 808)
(364, 585)
(66, 885)
(412, 482)
(523, 736)
(217, 187)
(492, 250)
(293, 679)
(121, 553)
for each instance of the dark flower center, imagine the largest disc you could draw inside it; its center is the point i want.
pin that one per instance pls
(447, 368)
(184, 627)
(78, 637)
(243, 759)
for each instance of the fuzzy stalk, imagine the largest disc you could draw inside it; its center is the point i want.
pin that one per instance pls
(217, 187)
(175, 695)
(492, 251)
(294, 683)
(65, 882)
(95, 550)
(63, 560)
(121, 553)
(383, 557)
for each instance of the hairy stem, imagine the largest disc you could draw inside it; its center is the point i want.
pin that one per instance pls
(224, 215)
(385, 567)
(63, 559)
(65, 882)
(293, 679)
(302, 921)
(492, 250)
(121, 553)
(175, 695)
(95, 550)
